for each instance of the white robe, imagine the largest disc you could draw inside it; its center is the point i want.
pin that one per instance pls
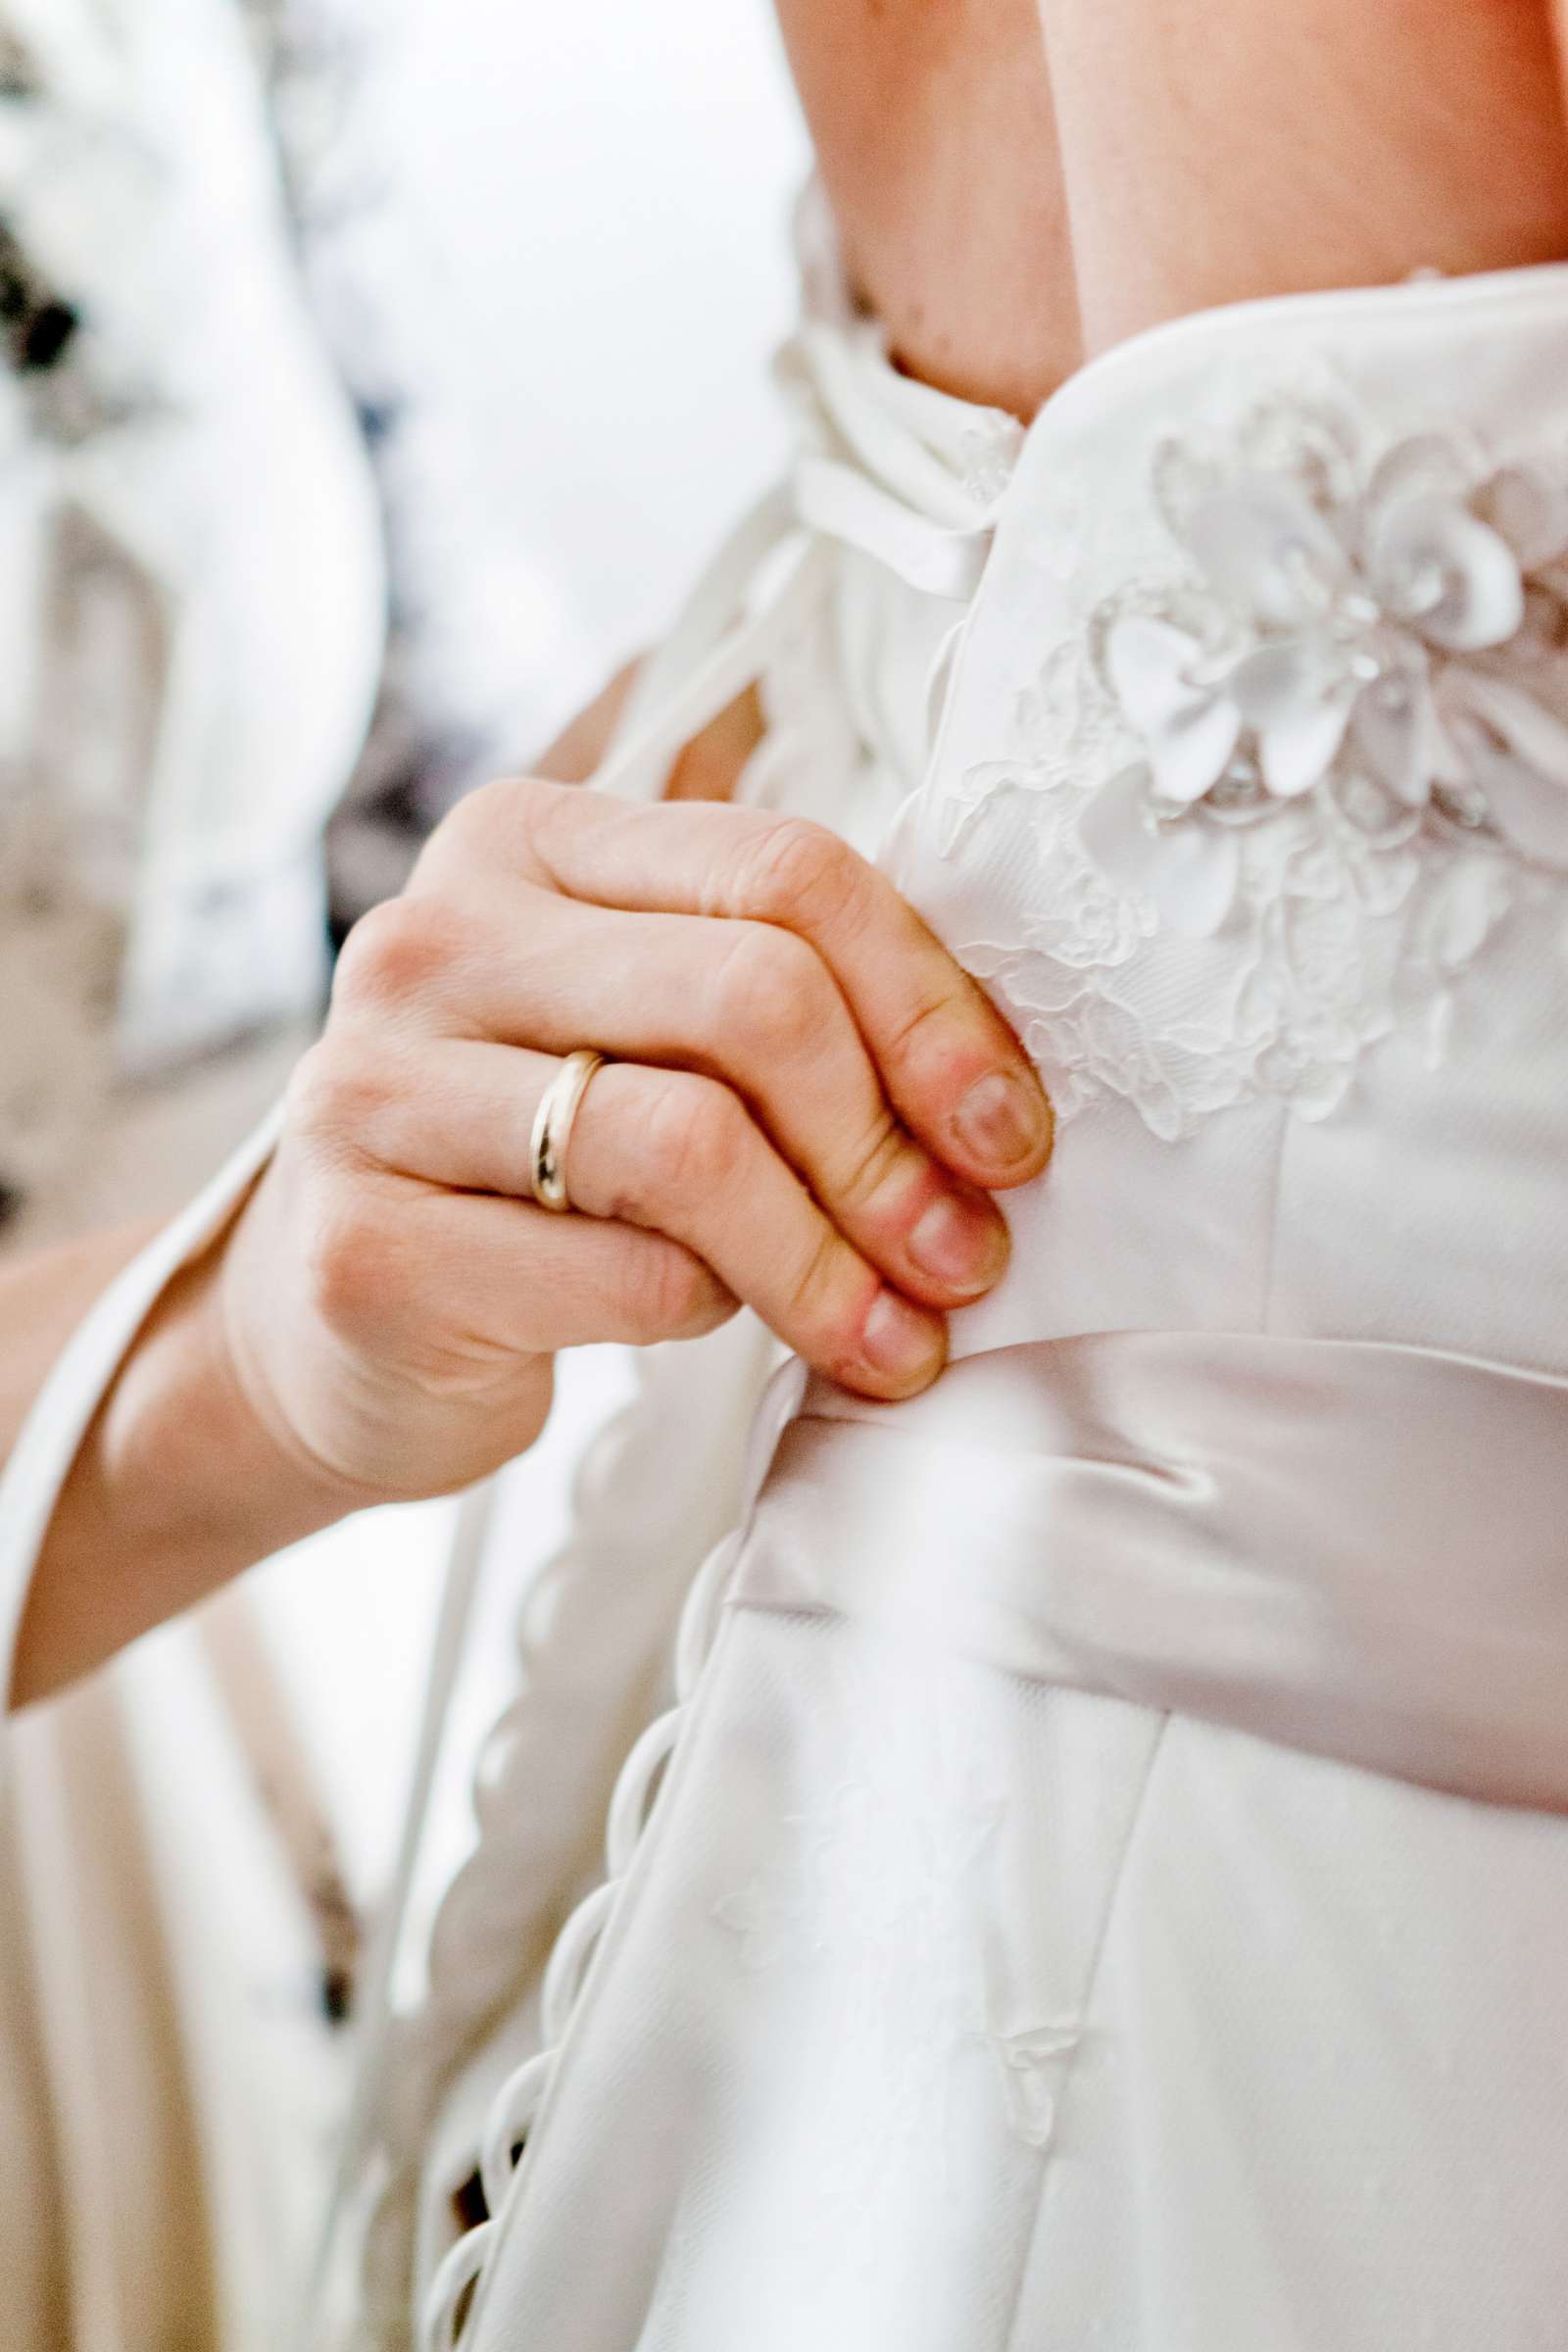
(1104, 1878)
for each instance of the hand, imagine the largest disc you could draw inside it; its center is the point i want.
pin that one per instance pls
(807, 1104)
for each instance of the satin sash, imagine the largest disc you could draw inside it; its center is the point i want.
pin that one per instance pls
(1349, 1548)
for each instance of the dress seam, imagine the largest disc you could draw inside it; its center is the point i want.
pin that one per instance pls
(1089, 1985)
(1271, 1246)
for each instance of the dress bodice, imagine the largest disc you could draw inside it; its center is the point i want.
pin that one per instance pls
(1251, 805)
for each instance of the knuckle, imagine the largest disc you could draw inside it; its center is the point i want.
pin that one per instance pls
(934, 1018)
(497, 808)
(796, 871)
(507, 818)
(695, 1138)
(307, 1094)
(398, 951)
(823, 1301)
(346, 1266)
(871, 1162)
(524, 806)
(769, 994)
(499, 823)
(334, 1099)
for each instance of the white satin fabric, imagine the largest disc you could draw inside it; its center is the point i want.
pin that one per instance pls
(1225, 1524)
(1109, 1881)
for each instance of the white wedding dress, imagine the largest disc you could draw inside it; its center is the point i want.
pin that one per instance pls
(1102, 1881)
(1106, 1884)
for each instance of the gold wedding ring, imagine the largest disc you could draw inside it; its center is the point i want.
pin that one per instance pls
(553, 1123)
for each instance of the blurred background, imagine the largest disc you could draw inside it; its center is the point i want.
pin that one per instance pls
(380, 374)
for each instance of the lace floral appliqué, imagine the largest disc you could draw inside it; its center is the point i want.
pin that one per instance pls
(1284, 796)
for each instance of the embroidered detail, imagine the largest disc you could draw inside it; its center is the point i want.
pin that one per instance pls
(1280, 798)
(1354, 645)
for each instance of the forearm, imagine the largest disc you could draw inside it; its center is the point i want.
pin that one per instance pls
(177, 1484)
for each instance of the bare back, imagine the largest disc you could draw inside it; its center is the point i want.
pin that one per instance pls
(933, 127)
(1010, 197)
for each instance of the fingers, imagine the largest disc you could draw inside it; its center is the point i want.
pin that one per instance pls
(396, 1335)
(756, 1007)
(788, 1035)
(667, 1151)
(454, 1287)
(950, 1064)
(677, 1152)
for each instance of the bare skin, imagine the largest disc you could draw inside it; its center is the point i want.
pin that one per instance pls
(968, 263)
(1215, 153)
(1174, 154)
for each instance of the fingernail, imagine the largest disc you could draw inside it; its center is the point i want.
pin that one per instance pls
(963, 1244)
(899, 1340)
(1002, 1119)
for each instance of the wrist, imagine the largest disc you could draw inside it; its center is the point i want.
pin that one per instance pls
(185, 1450)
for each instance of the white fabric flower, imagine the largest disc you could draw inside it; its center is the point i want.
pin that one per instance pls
(1367, 641)
(1190, 872)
